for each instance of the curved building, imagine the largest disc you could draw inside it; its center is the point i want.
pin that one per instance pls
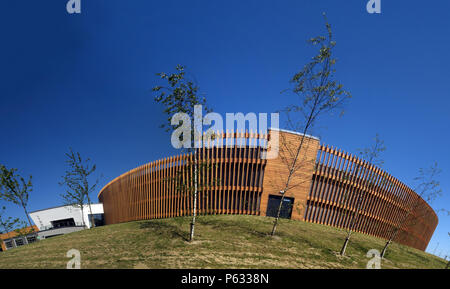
(328, 187)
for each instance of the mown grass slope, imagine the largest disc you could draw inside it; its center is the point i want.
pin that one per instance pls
(221, 242)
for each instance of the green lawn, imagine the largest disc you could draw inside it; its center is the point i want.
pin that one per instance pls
(221, 242)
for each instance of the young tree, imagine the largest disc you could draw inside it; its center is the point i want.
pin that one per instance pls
(181, 95)
(7, 224)
(428, 189)
(15, 189)
(318, 93)
(77, 182)
(372, 156)
(74, 197)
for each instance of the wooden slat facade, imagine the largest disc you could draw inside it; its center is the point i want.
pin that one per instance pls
(230, 182)
(341, 179)
(234, 179)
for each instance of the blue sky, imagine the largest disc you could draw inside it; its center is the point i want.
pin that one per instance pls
(84, 81)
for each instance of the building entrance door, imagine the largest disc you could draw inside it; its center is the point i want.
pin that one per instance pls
(274, 203)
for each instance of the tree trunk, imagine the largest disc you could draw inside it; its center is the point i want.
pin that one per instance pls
(275, 223)
(28, 217)
(416, 204)
(396, 230)
(291, 172)
(191, 236)
(385, 248)
(82, 216)
(90, 210)
(352, 225)
(344, 247)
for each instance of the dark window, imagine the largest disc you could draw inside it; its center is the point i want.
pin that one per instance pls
(63, 223)
(274, 203)
(98, 219)
(31, 239)
(19, 242)
(9, 244)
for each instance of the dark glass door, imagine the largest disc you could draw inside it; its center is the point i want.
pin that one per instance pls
(274, 203)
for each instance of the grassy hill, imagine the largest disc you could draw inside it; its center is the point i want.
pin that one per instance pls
(221, 242)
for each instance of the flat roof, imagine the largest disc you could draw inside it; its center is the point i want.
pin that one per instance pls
(61, 207)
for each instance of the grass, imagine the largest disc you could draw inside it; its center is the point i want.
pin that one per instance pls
(231, 241)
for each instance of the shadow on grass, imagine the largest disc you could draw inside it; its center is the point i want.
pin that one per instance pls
(235, 227)
(162, 228)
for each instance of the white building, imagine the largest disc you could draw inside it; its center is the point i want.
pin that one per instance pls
(67, 216)
(57, 221)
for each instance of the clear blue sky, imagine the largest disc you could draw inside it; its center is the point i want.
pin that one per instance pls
(84, 81)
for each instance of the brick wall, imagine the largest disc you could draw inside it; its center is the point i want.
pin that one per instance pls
(277, 171)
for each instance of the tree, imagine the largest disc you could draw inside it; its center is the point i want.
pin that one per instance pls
(77, 182)
(7, 224)
(15, 189)
(181, 95)
(428, 189)
(75, 198)
(372, 156)
(318, 93)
